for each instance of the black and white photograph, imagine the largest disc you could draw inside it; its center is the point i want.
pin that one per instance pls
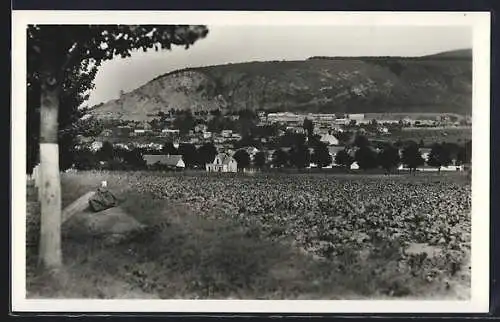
(251, 161)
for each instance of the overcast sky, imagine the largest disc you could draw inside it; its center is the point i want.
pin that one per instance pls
(234, 44)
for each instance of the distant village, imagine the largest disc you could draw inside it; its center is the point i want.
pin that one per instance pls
(258, 132)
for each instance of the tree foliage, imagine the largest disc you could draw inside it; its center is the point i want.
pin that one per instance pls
(219, 123)
(189, 154)
(343, 158)
(465, 153)
(366, 158)
(321, 156)
(260, 159)
(308, 126)
(106, 152)
(68, 45)
(280, 158)
(85, 159)
(439, 156)
(361, 141)
(185, 122)
(206, 154)
(300, 156)
(134, 159)
(292, 139)
(389, 157)
(169, 148)
(57, 52)
(75, 91)
(412, 157)
(242, 158)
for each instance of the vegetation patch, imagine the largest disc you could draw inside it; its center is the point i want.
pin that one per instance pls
(233, 238)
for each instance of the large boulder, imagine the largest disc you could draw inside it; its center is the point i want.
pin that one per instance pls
(113, 225)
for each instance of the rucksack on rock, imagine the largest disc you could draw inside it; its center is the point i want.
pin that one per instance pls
(102, 199)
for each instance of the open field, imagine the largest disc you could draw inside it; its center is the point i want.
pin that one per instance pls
(413, 116)
(434, 135)
(269, 236)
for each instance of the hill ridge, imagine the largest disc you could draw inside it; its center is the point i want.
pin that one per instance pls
(432, 83)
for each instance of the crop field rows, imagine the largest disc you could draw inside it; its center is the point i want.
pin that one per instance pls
(400, 235)
(359, 219)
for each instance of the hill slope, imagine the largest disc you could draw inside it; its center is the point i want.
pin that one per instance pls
(436, 83)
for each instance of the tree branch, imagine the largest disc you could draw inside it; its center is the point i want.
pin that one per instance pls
(71, 59)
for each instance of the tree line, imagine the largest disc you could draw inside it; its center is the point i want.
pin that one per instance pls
(389, 156)
(61, 65)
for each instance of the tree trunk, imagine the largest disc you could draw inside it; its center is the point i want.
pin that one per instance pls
(50, 256)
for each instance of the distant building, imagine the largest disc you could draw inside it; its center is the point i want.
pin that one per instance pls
(336, 128)
(321, 118)
(329, 139)
(341, 121)
(356, 117)
(169, 161)
(226, 133)
(106, 133)
(152, 146)
(383, 130)
(252, 151)
(82, 139)
(354, 166)
(333, 150)
(286, 117)
(222, 163)
(142, 131)
(207, 135)
(123, 146)
(122, 131)
(96, 145)
(407, 121)
(200, 128)
(425, 153)
(426, 168)
(170, 131)
(295, 129)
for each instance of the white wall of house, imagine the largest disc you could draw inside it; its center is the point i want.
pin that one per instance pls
(180, 164)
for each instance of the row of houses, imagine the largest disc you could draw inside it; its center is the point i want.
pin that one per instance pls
(225, 162)
(129, 131)
(198, 134)
(289, 117)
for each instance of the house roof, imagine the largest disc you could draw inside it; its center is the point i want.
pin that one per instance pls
(225, 158)
(328, 138)
(171, 160)
(335, 149)
(251, 149)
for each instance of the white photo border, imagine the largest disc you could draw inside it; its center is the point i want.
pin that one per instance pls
(478, 21)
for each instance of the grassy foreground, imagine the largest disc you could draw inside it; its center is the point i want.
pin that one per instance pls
(195, 257)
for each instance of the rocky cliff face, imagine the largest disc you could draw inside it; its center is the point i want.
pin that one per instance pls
(441, 83)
